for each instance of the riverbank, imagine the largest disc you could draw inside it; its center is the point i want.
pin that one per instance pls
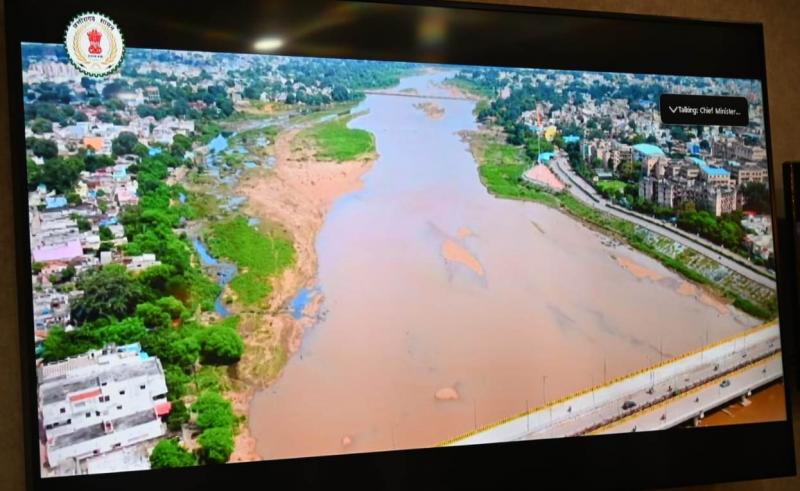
(501, 168)
(295, 197)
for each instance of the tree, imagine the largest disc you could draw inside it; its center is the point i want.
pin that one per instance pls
(629, 171)
(176, 381)
(88, 83)
(172, 306)
(63, 276)
(340, 93)
(216, 445)
(83, 224)
(216, 417)
(93, 162)
(114, 88)
(45, 149)
(105, 117)
(153, 316)
(109, 292)
(60, 344)
(210, 400)
(169, 454)
(34, 174)
(73, 198)
(756, 197)
(127, 331)
(124, 143)
(220, 345)
(61, 174)
(157, 278)
(140, 149)
(180, 145)
(41, 125)
(105, 233)
(178, 416)
(173, 347)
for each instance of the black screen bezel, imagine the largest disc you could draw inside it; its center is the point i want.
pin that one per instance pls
(664, 458)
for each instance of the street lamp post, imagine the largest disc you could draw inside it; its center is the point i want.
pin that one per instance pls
(544, 389)
(528, 415)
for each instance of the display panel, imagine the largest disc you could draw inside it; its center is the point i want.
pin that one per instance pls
(251, 257)
(362, 256)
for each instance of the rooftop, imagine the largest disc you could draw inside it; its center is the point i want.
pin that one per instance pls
(63, 252)
(545, 156)
(648, 149)
(55, 202)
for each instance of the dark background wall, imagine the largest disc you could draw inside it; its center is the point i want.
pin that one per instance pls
(781, 19)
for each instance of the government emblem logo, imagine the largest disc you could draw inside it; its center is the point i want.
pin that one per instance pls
(94, 44)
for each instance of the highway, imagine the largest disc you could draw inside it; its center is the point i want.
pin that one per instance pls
(586, 193)
(695, 402)
(697, 373)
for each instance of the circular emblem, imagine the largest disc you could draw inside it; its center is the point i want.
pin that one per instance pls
(94, 44)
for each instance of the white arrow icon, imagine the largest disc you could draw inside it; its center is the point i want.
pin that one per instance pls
(673, 109)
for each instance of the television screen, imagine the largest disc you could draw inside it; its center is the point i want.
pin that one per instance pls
(276, 253)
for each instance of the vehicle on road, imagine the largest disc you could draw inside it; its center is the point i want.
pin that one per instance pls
(628, 405)
(725, 383)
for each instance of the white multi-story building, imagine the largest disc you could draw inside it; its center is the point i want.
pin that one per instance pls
(100, 401)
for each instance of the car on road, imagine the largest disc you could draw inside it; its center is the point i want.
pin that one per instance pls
(628, 405)
(725, 383)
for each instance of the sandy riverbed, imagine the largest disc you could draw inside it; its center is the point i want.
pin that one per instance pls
(434, 111)
(295, 195)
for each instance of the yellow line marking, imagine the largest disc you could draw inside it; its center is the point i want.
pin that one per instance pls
(684, 394)
(486, 427)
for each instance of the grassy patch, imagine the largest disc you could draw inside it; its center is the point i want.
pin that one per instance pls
(503, 154)
(611, 186)
(206, 130)
(260, 257)
(250, 287)
(333, 140)
(212, 378)
(501, 169)
(201, 291)
(504, 181)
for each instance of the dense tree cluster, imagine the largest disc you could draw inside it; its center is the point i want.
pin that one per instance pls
(725, 230)
(169, 454)
(318, 81)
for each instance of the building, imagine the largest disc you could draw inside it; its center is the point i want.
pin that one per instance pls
(664, 192)
(714, 175)
(641, 151)
(719, 200)
(759, 235)
(152, 95)
(100, 401)
(50, 308)
(733, 149)
(746, 173)
(138, 263)
(709, 188)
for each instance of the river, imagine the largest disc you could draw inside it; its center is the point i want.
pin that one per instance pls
(537, 306)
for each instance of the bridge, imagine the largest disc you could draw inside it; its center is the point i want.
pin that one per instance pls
(416, 95)
(656, 397)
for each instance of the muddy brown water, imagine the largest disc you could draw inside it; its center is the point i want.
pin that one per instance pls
(554, 311)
